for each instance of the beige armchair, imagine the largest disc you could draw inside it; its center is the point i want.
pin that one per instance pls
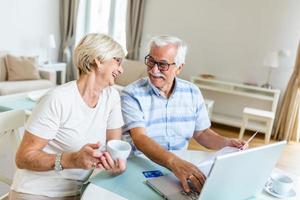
(48, 79)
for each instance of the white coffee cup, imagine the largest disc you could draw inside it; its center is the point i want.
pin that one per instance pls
(118, 149)
(281, 184)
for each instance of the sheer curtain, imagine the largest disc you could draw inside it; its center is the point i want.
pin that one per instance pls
(287, 126)
(107, 16)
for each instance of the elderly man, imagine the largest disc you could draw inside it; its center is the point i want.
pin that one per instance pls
(163, 112)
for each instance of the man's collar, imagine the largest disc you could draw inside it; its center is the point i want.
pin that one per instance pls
(153, 88)
(157, 91)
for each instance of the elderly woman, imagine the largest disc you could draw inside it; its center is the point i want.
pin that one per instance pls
(63, 135)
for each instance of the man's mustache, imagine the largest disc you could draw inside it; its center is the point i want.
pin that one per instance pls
(157, 75)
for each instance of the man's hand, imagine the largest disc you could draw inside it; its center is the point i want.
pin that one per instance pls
(185, 172)
(115, 167)
(240, 144)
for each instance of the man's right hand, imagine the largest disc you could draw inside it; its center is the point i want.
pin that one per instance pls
(183, 170)
(186, 171)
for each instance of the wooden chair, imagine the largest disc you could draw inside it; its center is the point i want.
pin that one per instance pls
(10, 122)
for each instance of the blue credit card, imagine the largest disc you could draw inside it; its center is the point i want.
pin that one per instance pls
(152, 174)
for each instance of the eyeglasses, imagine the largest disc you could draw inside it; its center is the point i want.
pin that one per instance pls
(118, 60)
(162, 66)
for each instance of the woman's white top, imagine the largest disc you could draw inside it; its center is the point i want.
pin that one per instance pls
(63, 118)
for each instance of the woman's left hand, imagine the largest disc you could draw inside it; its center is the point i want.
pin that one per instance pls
(115, 167)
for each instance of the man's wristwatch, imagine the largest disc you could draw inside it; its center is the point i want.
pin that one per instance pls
(57, 165)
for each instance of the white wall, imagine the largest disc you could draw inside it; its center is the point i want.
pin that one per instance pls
(26, 25)
(229, 38)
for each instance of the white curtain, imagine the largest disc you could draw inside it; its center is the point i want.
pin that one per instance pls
(287, 126)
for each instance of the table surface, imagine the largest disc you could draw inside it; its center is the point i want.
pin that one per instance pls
(112, 187)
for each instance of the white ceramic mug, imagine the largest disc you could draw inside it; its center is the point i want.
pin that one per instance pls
(118, 149)
(282, 184)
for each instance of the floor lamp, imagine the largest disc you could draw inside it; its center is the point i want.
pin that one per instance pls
(51, 46)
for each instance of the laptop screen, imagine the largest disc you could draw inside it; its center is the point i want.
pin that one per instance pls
(241, 175)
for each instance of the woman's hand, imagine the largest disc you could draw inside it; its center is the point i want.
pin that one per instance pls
(87, 157)
(115, 167)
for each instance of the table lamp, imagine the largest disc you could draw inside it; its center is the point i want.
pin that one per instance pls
(271, 61)
(51, 46)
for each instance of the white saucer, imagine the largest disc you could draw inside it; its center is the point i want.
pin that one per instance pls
(268, 189)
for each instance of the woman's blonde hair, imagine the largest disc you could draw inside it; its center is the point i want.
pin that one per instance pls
(95, 46)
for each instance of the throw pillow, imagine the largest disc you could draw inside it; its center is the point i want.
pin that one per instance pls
(3, 72)
(21, 68)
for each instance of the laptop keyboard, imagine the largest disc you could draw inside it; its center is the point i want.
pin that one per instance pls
(190, 195)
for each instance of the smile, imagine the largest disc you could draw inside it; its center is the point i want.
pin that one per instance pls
(114, 75)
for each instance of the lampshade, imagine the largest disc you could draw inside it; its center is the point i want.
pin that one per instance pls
(51, 41)
(271, 60)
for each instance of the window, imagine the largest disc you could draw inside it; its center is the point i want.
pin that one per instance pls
(109, 17)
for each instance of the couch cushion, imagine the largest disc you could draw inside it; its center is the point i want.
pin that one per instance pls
(9, 87)
(21, 68)
(3, 72)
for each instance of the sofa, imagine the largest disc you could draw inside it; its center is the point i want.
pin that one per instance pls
(43, 80)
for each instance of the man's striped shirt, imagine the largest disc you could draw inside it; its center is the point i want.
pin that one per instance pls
(172, 121)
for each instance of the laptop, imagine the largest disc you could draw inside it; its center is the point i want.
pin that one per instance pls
(236, 176)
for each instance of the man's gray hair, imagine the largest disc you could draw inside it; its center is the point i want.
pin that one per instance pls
(165, 40)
